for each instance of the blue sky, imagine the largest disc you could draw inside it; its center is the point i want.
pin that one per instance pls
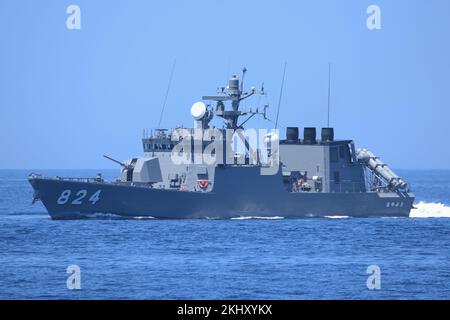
(69, 96)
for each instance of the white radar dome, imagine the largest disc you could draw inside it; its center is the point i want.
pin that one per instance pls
(198, 110)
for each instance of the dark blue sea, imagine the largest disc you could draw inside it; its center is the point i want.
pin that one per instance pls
(224, 259)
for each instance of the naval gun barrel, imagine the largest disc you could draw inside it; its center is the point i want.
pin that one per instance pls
(118, 162)
(379, 167)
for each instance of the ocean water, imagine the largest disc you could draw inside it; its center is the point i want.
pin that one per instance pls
(246, 258)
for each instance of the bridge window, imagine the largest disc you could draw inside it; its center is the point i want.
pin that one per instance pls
(337, 178)
(334, 154)
(342, 152)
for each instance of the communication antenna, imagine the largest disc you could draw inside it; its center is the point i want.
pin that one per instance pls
(167, 92)
(281, 94)
(261, 93)
(244, 70)
(329, 94)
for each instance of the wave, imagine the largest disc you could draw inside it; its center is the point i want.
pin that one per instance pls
(257, 218)
(103, 215)
(337, 217)
(114, 216)
(430, 210)
(13, 213)
(143, 217)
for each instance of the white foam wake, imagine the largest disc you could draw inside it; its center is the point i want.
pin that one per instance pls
(112, 216)
(430, 210)
(256, 217)
(102, 215)
(143, 217)
(337, 217)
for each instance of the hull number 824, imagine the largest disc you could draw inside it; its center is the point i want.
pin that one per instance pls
(78, 197)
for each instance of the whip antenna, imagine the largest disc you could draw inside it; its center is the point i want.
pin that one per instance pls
(167, 93)
(281, 94)
(329, 94)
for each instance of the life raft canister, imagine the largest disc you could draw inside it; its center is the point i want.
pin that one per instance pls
(203, 183)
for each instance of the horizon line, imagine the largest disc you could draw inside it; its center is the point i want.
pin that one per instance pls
(31, 169)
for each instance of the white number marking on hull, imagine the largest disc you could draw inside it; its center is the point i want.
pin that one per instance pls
(80, 195)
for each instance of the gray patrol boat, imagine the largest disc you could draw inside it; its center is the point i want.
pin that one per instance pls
(295, 177)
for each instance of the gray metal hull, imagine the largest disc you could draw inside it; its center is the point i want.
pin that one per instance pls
(244, 193)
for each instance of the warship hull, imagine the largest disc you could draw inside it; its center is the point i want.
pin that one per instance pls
(71, 199)
(223, 173)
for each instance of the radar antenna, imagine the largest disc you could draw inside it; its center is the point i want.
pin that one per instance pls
(234, 92)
